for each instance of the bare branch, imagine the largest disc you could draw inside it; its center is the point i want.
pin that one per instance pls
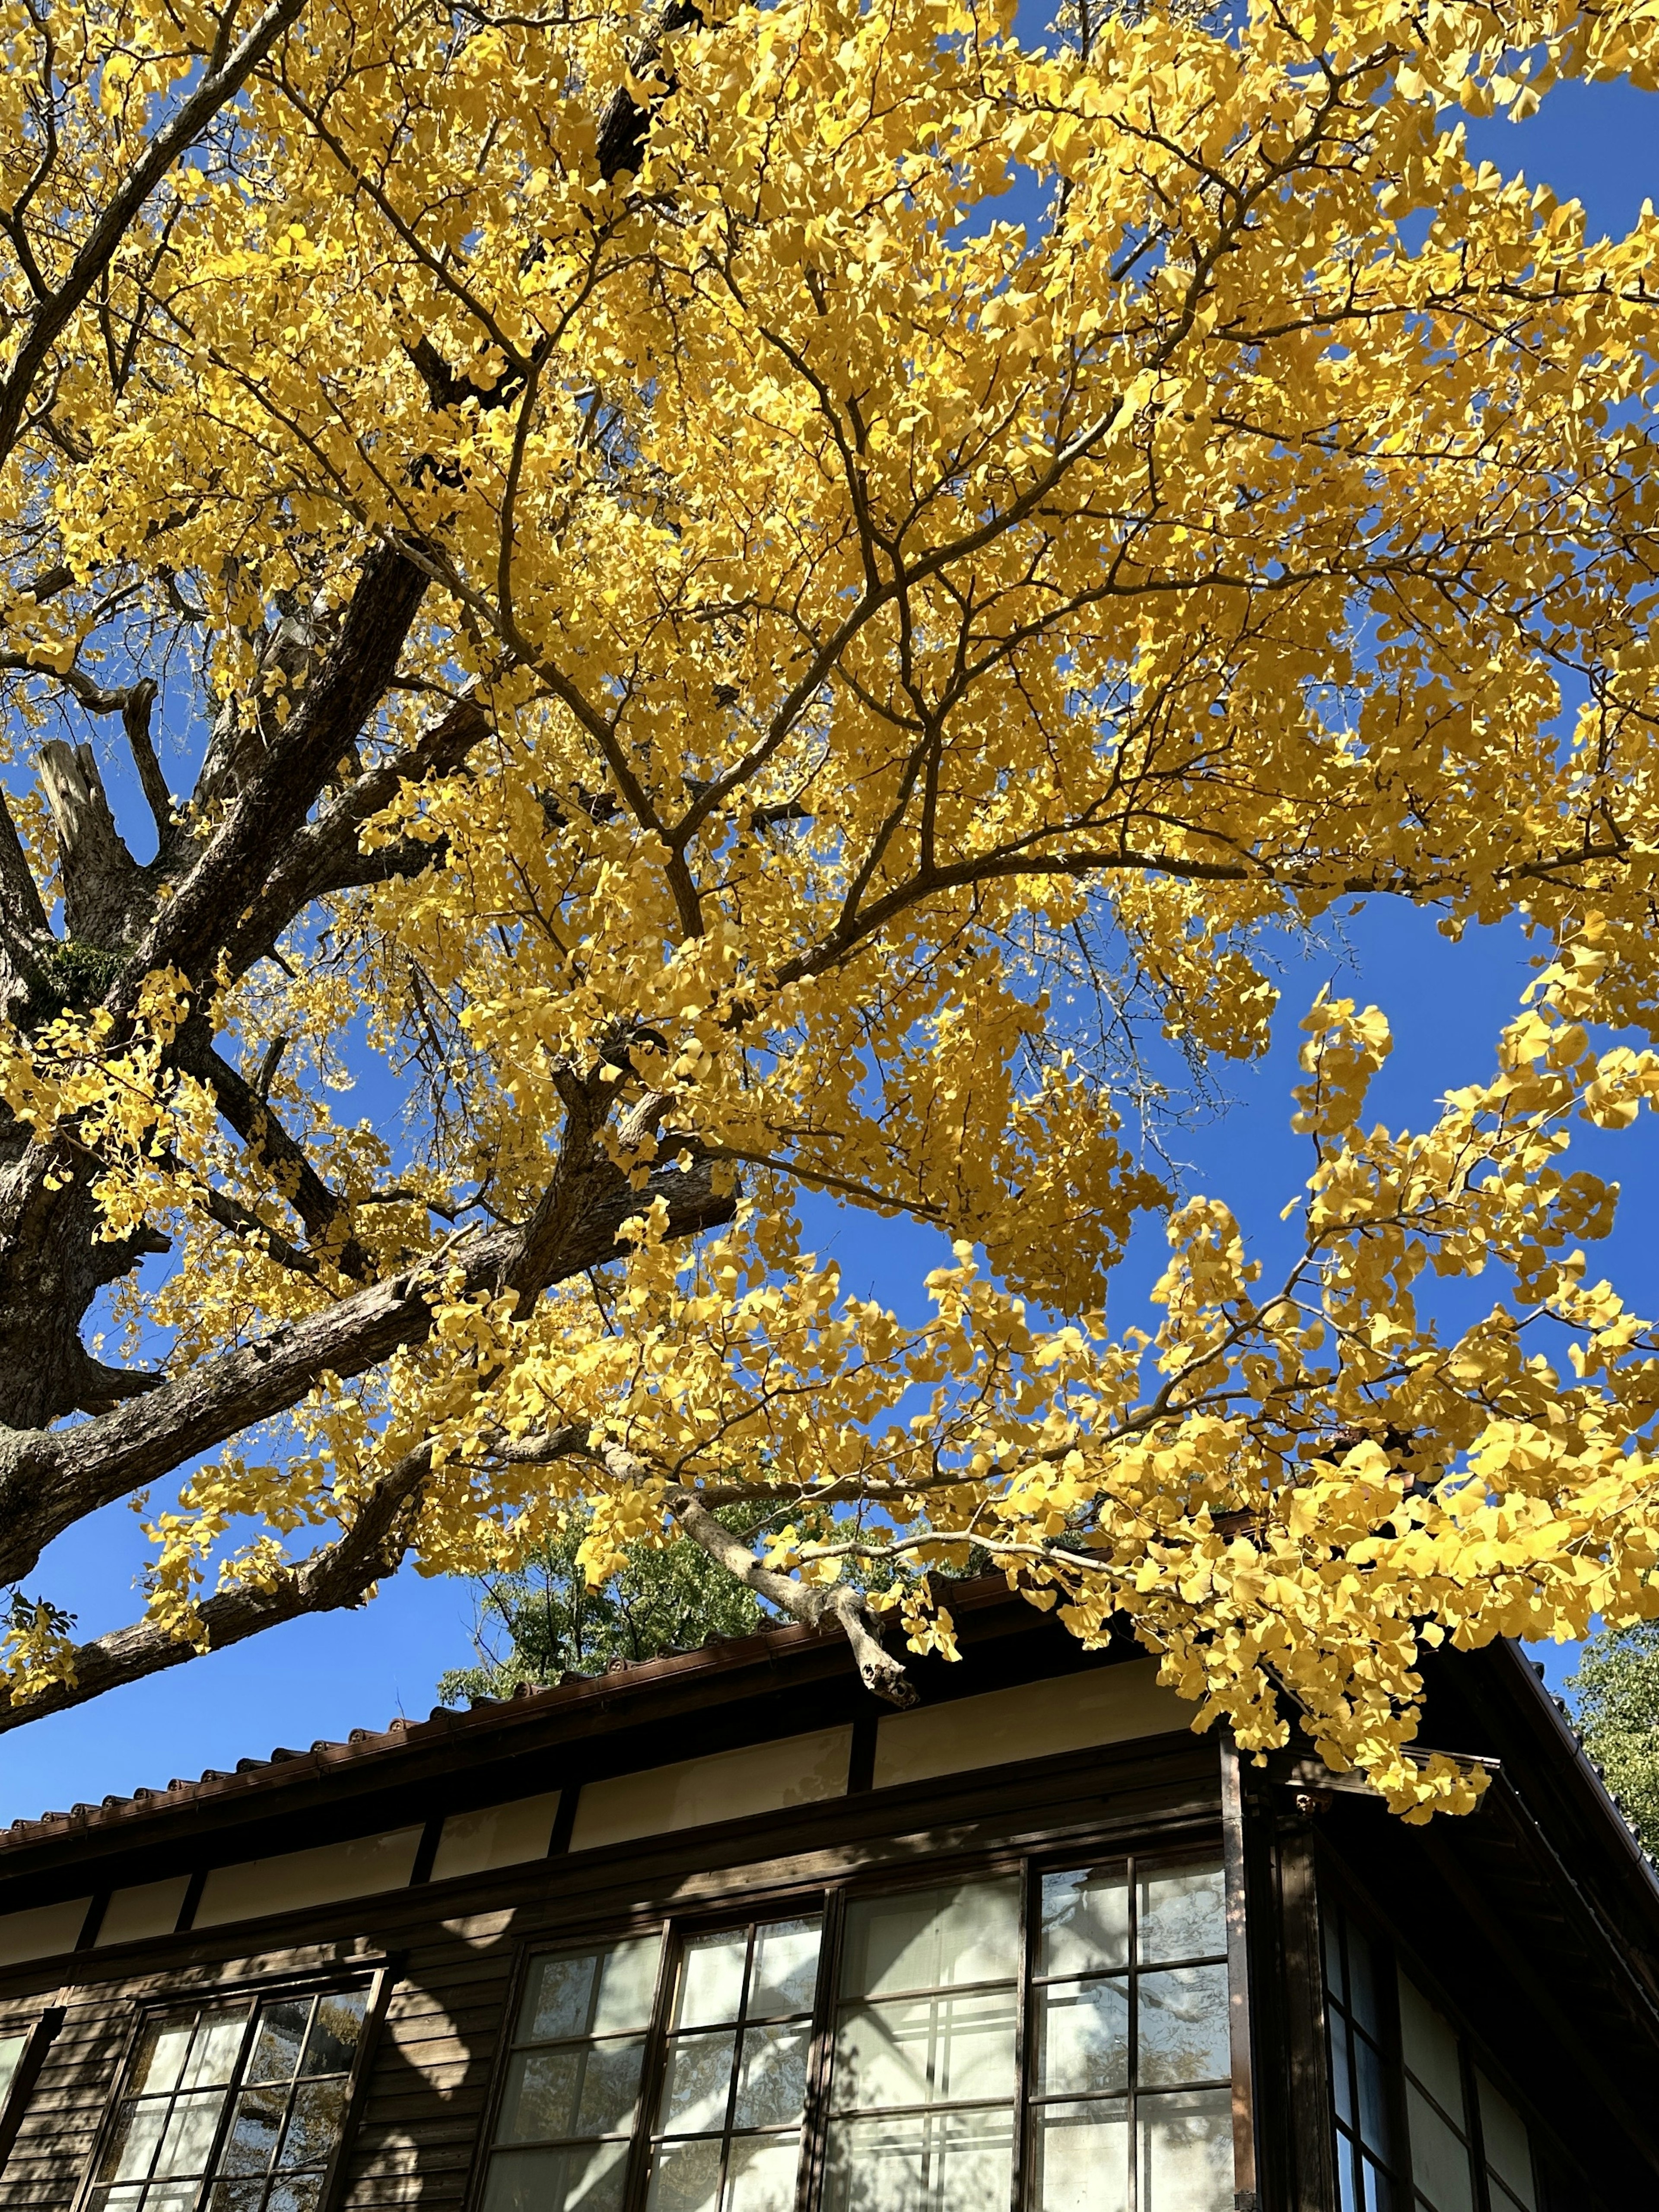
(809, 1603)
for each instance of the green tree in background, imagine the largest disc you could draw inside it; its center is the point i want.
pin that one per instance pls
(1616, 1697)
(543, 1622)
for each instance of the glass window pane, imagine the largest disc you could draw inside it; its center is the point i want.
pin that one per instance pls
(130, 2150)
(1187, 2152)
(160, 2057)
(627, 1986)
(785, 1969)
(587, 2178)
(252, 2143)
(772, 2078)
(1330, 1937)
(761, 2173)
(1440, 2158)
(171, 2196)
(1430, 2049)
(281, 2037)
(1083, 2038)
(11, 2049)
(925, 2050)
(685, 2177)
(213, 2050)
(558, 1998)
(1380, 2195)
(1086, 1923)
(933, 1939)
(1374, 2129)
(1509, 2152)
(696, 2084)
(710, 1988)
(1362, 1983)
(921, 2162)
(314, 2123)
(539, 2103)
(294, 2192)
(588, 2091)
(590, 1992)
(1082, 2158)
(233, 2195)
(1341, 2087)
(1183, 2026)
(1348, 2196)
(1184, 1915)
(187, 2139)
(336, 2029)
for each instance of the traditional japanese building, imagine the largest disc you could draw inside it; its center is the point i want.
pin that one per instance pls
(714, 1933)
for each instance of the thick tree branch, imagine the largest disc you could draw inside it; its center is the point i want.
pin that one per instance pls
(340, 1575)
(810, 1603)
(326, 855)
(104, 891)
(51, 1479)
(189, 929)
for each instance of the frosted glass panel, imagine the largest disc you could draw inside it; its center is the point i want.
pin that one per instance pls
(924, 2051)
(941, 2162)
(326, 1876)
(43, 1932)
(728, 1785)
(1187, 2152)
(149, 1909)
(1104, 1704)
(1509, 2152)
(933, 1939)
(1440, 2158)
(1082, 2159)
(1430, 2049)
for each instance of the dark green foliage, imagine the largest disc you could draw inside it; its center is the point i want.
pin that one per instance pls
(1616, 1695)
(79, 975)
(544, 1622)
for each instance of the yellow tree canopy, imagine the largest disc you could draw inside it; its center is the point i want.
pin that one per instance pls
(700, 644)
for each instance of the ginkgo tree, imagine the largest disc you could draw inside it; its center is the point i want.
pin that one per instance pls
(694, 647)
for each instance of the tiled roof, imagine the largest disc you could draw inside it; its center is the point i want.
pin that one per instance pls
(479, 1715)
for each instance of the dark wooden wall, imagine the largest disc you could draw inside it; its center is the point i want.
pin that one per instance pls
(454, 1948)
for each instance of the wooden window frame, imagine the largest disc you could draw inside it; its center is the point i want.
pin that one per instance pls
(832, 1895)
(38, 2037)
(378, 1976)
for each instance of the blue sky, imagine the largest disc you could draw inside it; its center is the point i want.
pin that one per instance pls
(321, 1678)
